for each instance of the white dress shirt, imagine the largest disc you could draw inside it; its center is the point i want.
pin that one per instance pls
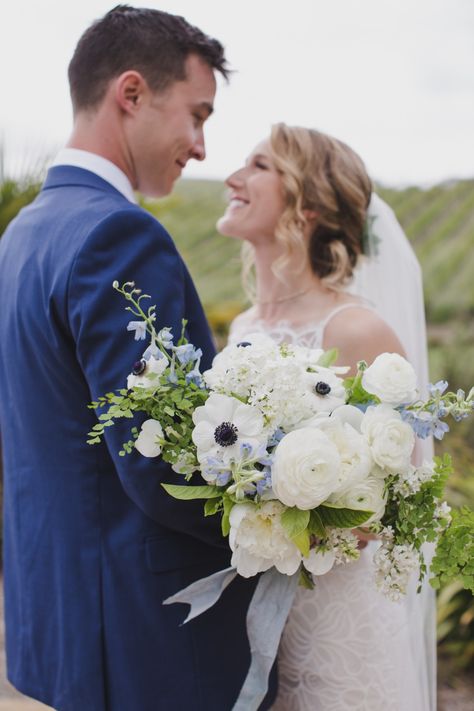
(102, 167)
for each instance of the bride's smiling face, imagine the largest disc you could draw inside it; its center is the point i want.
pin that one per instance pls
(256, 199)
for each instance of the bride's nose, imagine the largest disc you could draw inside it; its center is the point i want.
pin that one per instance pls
(235, 179)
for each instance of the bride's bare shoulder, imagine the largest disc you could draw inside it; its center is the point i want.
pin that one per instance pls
(360, 334)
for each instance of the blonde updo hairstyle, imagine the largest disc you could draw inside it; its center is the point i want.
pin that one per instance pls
(321, 174)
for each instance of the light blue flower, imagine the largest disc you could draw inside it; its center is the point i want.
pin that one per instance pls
(438, 388)
(153, 351)
(194, 376)
(165, 337)
(187, 353)
(140, 329)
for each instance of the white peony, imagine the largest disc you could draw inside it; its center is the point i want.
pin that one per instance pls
(224, 423)
(146, 443)
(306, 468)
(391, 378)
(319, 562)
(258, 540)
(391, 440)
(153, 365)
(366, 495)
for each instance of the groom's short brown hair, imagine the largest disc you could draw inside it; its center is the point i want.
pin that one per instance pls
(152, 42)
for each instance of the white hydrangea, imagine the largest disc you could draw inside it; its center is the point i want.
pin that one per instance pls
(276, 380)
(394, 565)
(258, 540)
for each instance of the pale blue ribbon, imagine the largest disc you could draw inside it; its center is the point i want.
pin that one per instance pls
(266, 617)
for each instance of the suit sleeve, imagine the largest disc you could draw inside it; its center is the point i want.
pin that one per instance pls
(130, 245)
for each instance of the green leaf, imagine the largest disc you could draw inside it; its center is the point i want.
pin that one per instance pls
(302, 541)
(341, 517)
(328, 358)
(187, 493)
(306, 579)
(94, 440)
(316, 524)
(294, 521)
(225, 524)
(212, 506)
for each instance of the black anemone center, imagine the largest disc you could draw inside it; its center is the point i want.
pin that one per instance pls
(226, 434)
(243, 344)
(322, 388)
(139, 366)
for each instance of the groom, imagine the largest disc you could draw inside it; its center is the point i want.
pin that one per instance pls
(93, 544)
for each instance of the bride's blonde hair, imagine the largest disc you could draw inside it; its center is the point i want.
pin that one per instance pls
(324, 175)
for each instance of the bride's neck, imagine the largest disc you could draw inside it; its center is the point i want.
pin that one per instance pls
(281, 297)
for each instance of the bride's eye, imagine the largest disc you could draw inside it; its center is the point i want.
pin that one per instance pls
(260, 165)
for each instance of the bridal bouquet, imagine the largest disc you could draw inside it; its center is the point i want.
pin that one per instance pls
(294, 456)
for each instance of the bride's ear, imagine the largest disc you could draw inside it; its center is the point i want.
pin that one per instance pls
(311, 215)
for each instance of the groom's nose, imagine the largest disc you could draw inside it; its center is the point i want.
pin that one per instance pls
(198, 151)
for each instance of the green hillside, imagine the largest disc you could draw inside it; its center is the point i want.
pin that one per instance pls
(439, 222)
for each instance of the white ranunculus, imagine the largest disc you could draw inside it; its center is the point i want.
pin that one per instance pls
(319, 562)
(153, 365)
(306, 468)
(391, 378)
(391, 440)
(366, 495)
(222, 424)
(356, 459)
(146, 443)
(258, 540)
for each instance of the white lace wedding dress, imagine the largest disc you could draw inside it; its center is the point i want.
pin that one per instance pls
(345, 646)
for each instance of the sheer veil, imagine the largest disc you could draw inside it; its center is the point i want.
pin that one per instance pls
(391, 281)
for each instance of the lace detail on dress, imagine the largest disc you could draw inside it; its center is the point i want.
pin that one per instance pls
(345, 647)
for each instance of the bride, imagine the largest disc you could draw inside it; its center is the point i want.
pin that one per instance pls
(300, 203)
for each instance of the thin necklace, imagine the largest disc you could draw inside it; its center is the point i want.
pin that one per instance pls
(285, 298)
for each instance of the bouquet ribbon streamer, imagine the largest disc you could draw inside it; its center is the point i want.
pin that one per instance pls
(266, 617)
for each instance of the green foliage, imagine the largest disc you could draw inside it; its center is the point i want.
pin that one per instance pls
(454, 559)
(341, 517)
(189, 493)
(295, 522)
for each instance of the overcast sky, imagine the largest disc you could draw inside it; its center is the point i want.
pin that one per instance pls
(393, 78)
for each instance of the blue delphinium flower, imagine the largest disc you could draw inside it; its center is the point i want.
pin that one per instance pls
(140, 329)
(165, 337)
(438, 388)
(426, 423)
(187, 353)
(154, 351)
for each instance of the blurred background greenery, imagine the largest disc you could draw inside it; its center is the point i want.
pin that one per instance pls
(439, 222)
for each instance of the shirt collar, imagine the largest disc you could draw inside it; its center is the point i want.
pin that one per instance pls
(102, 167)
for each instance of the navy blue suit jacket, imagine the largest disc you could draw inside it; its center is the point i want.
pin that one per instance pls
(92, 543)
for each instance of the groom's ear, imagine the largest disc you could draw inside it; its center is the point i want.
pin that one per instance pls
(130, 88)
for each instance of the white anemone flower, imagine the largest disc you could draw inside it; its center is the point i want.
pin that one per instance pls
(146, 442)
(142, 369)
(223, 424)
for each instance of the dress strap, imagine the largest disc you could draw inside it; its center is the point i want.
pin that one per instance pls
(343, 307)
